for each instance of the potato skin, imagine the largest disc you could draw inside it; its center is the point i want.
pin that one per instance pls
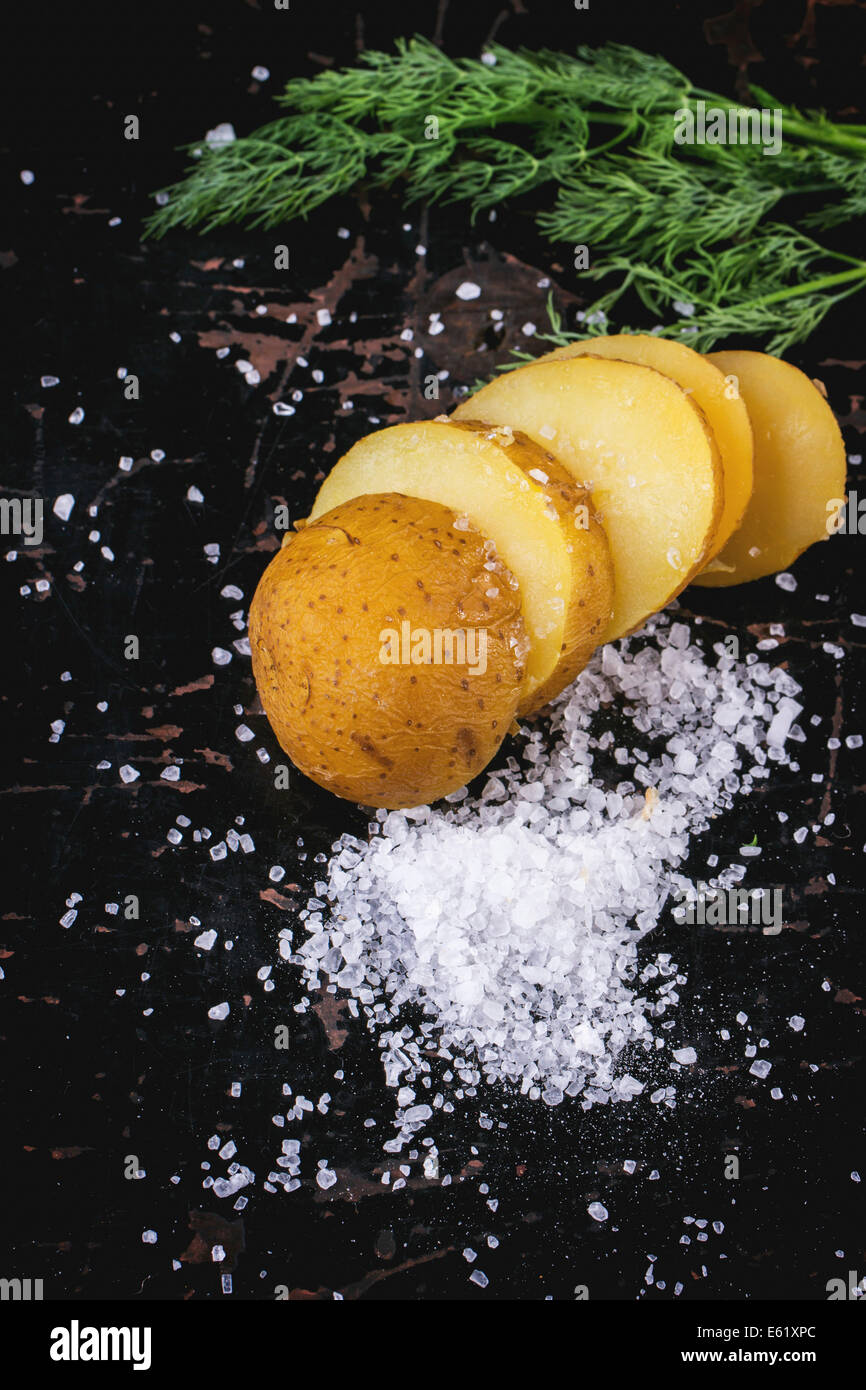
(390, 735)
(590, 602)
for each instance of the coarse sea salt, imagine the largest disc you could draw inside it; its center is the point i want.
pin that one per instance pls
(509, 922)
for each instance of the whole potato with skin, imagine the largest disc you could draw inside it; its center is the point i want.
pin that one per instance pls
(368, 728)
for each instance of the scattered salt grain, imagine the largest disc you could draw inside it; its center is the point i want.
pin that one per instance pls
(468, 290)
(222, 134)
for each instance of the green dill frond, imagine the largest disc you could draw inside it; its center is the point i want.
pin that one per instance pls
(778, 289)
(677, 223)
(655, 206)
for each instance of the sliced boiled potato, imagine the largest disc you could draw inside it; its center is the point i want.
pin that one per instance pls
(591, 596)
(642, 447)
(479, 474)
(799, 468)
(344, 626)
(719, 399)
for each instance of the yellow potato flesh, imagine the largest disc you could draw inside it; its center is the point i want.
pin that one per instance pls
(799, 468)
(337, 633)
(723, 407)
(642, 447)
(473, 475)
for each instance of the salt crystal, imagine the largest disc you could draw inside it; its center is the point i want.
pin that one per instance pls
(222, 134)
(760, 1069)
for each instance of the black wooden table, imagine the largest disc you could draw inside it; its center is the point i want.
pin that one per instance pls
(111, 1063)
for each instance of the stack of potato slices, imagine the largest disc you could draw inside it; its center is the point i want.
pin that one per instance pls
(459, 572)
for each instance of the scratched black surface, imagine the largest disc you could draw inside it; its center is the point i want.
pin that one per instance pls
(92, 1076)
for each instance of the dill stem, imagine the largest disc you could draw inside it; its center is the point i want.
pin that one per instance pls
(818, 135)
(821, 282)
(835, 136)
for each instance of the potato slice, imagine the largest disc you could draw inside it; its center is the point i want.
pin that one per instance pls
(473, 472)
(591, 596)
(642, 447)
(724, 408)
(799, 468)
(338, 627)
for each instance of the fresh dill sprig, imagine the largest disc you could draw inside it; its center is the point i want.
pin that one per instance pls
(693, 224)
